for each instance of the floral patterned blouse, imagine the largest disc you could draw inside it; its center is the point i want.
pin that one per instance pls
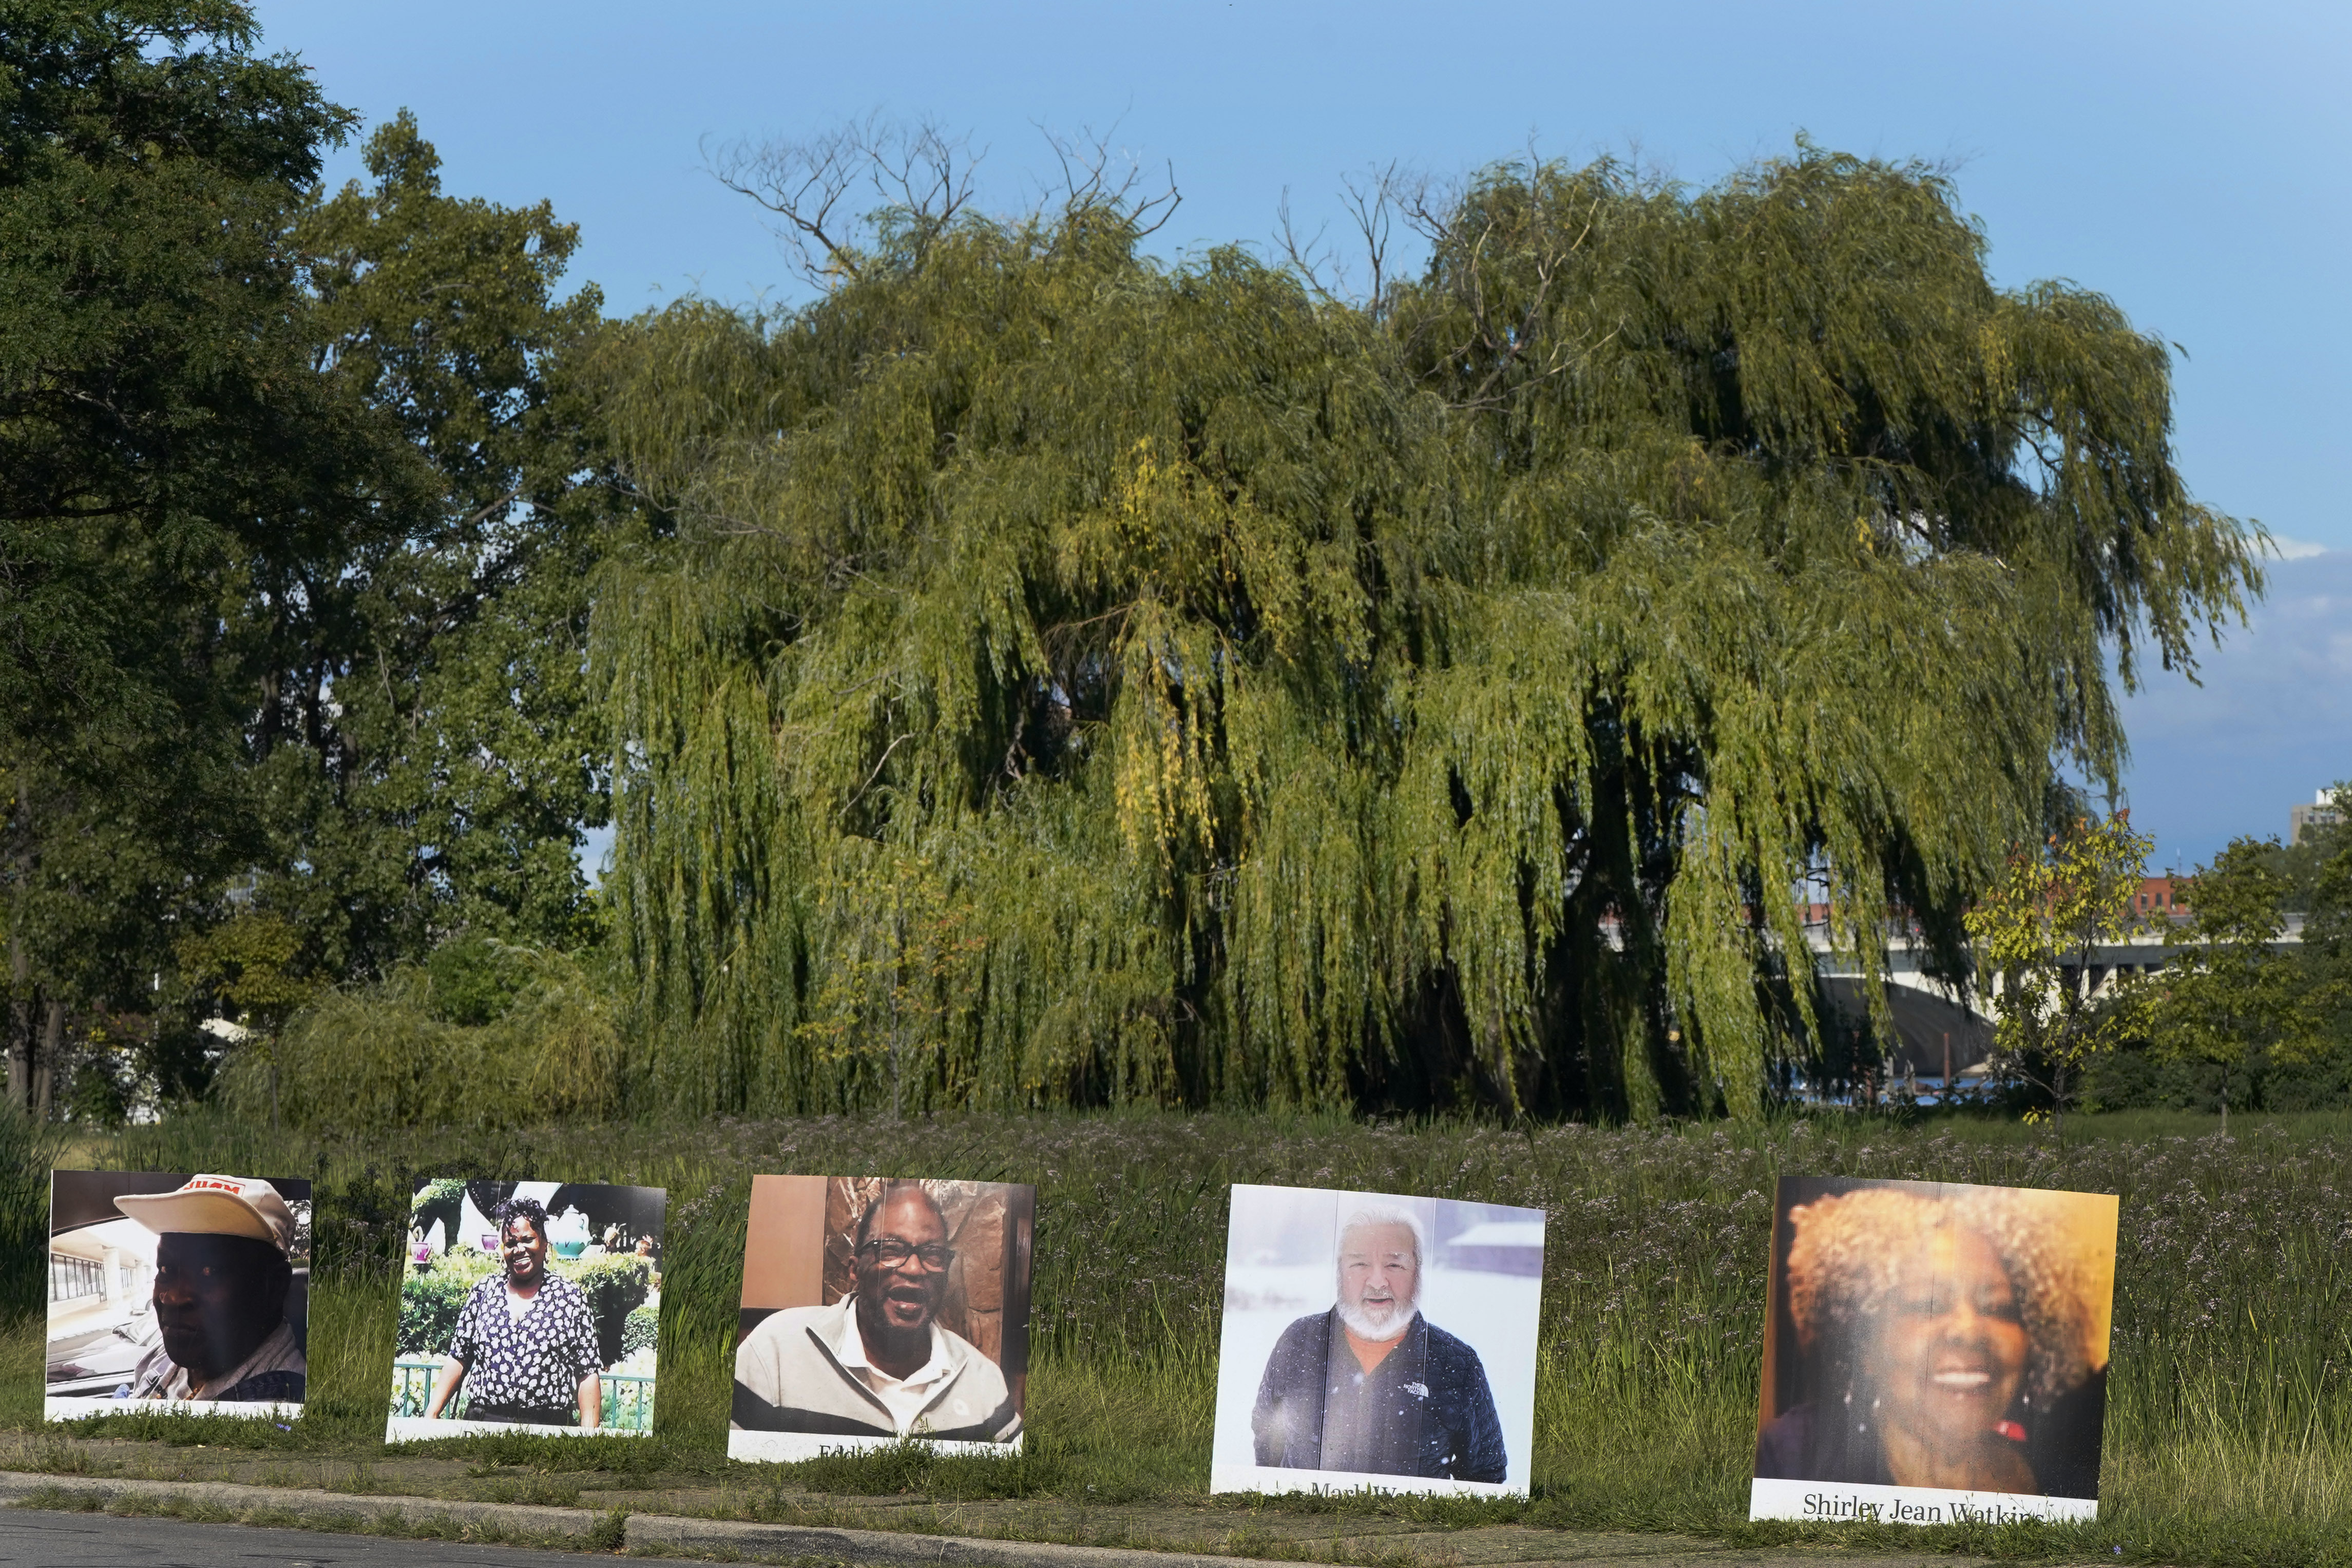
(535, 1362)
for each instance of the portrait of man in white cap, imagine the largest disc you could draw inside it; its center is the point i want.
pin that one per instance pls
(223, 1273)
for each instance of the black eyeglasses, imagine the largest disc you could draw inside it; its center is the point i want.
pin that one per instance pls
(891, 1253)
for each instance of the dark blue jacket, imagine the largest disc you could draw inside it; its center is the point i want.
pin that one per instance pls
(1424, 1410)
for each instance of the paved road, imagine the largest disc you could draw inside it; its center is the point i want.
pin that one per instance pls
(36, 1540)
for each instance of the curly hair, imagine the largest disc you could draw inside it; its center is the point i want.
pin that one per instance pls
(1849, 1255)
(528, 1209)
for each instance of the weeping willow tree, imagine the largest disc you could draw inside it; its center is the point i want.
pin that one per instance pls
(1060, 676)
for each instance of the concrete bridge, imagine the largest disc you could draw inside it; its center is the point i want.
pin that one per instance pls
(1930, 1018)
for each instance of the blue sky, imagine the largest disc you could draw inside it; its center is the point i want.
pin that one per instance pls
(2195, 163)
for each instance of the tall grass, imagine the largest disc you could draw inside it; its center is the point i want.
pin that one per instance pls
(2229, 1423)
(27, 1151)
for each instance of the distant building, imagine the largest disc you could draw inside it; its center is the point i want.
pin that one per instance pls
(2158, 899)
(2322, 812)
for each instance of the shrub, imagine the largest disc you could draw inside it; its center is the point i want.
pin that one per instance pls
(430, 1301)
(615, 1286)
(640, 1329)
(439, 1190)
(430, 1305)
(397, 1054)
(2137, 1079)
(475, 981)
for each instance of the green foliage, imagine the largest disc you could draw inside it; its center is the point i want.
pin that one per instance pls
(475, 981)
(2244, 1019)
(246, 963)
(641, 1329)
(427, 754)
(2327, 950)
(2233, 997)
(152, 390)
(2147, 1077)
(394, 1054)
(2037, 932)
(28, 1149)
(430, 1301)
(439, 1190)
(616, 1288)
(166, 436)
(1035, 675)
(1063, 678)
(294, 551)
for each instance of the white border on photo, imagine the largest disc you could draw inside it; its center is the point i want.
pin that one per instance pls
(771, 1236)
(1840, 1502)
(74, 1408)
(1507, 1350)
(1276, 1478)
(422, 1429)
(425, 1428)
(792, 1447)
(2091, 1217)
(134, 1241)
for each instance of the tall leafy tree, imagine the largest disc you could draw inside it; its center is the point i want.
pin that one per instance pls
(2325, 951)
(1076, 678)
(292, 581)
(2232, 998)
(2039, 930)
(428, 756)
(161, 433)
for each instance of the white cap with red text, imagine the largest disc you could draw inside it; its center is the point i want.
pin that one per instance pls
(216, 1205)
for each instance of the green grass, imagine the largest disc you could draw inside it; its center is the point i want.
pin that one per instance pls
(2230, 1423)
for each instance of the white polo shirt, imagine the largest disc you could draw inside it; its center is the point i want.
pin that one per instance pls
(904, 1397)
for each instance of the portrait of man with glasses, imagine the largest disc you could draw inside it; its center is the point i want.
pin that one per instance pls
(878, 1364)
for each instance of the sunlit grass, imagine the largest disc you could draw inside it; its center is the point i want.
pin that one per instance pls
(2229, 1426)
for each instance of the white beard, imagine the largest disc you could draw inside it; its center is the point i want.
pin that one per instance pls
(1400, 1319)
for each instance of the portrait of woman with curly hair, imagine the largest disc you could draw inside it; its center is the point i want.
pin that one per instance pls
(1945, 1337)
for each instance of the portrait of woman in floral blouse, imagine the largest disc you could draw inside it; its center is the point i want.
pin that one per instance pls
(525, 1349)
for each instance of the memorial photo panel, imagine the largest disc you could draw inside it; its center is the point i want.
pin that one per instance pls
(1377, 1341)
(529, 1307)
(1934, 1352)
(177, 1291)
(877, 1310)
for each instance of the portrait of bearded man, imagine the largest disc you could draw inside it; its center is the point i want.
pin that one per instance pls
(1371, 1386)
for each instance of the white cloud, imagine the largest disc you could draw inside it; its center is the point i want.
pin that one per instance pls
(2295, 549)
(2272, 724)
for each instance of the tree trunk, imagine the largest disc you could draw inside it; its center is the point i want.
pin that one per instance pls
(44, 1070)
(20, 1022)
(895, 1113)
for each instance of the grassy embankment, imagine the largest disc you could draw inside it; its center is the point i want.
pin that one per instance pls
(2229, 1426)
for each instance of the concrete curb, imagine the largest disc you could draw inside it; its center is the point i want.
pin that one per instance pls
(330, 1508)
(888, 1547)
(661, 1534)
